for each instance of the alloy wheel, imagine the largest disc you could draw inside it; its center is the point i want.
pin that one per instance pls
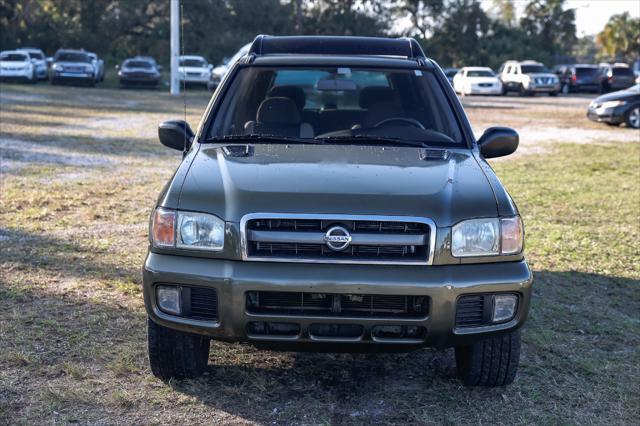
(634, 118)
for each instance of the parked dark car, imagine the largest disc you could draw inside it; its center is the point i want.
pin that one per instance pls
(139, 71)
(617, 108)
(616, 77)
(578, 78)
(335, 198)
(73, 66)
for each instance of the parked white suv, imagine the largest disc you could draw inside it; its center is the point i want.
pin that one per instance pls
(194, 70)
(39, 61)
(18, 65)
(528, 78)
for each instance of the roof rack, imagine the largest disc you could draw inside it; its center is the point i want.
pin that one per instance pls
(335, 45)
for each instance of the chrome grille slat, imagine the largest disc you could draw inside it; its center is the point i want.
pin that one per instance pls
(272, 237)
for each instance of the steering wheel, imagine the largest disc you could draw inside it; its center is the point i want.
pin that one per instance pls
(405, 120)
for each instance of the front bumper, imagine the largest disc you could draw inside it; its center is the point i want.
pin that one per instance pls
(493, 90)
(195, 79)
(73, 77)
(15, 74)
(133, 79)
(544, 89)
(232, 279)
(607, 115)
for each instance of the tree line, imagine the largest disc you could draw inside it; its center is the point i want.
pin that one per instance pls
(454, 32)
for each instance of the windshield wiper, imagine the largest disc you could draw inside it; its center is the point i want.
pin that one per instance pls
(372, 139)
(258, 138)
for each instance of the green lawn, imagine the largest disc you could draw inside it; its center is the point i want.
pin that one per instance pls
(80, 172)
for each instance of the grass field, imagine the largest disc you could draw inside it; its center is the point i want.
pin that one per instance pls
(80, 170)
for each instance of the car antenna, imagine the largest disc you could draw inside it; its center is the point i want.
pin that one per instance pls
(184, 80)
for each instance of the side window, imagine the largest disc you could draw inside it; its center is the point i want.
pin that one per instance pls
(501, 69)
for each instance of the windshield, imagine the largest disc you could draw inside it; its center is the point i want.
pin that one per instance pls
(36, 55)
(336, 103)
(622, 71)
(196, 63)
(137, 64)
(72, 57)
(532, 69)
(13, 57)
(480, 73)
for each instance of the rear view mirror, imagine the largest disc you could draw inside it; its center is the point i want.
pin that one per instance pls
(336, 85)
(498, 142)
(175, 134)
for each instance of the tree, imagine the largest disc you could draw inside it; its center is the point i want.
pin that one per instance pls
(425, 16)
(459, 40)
(620, 38)
(505, 12)
(551, 26)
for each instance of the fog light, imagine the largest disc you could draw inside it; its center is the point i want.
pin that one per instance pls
(168, 299)
(504, 307)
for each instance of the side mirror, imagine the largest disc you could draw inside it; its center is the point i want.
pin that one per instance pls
(159, 68)
(498, 142)
(210, 66)
(117, 67)
(225, 60)
(175, 134)
(49, 60)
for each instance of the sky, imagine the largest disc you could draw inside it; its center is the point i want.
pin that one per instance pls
(591, 15)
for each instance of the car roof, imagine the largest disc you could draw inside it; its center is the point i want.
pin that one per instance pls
(336, 45)
(27, 49)
(337, 61)
(192, 57)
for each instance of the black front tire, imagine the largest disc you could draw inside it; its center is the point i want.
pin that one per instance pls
(174, 354)
(553, 93)
(490, 362)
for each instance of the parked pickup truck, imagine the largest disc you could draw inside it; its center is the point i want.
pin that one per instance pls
(334, 198)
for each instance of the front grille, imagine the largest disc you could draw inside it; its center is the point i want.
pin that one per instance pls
(336, 305)
(471, 311)
(203, 304)
(371, 240)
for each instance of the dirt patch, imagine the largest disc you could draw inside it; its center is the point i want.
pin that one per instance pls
(16, 154)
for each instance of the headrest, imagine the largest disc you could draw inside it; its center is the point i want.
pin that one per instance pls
(278, 111)
(376, 94)
(295, 93)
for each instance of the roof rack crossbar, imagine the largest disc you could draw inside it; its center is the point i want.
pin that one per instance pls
(334, 45)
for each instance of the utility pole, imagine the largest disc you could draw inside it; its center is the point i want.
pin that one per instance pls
(175, 46)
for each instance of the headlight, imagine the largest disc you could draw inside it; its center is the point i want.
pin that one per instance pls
(186, 230)
(57, 67)
(476, 237)
(487, 237)
(612, 104)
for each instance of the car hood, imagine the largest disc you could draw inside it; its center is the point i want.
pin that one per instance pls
(12, 64)
(478, 80)
(74, 64)
(337, 179)
(620, 94)
(542, 75)
(193, 69)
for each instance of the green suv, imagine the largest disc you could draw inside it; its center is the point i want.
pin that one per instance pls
(334, 198)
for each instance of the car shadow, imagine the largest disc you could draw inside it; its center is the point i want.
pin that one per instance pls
(264, 386)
